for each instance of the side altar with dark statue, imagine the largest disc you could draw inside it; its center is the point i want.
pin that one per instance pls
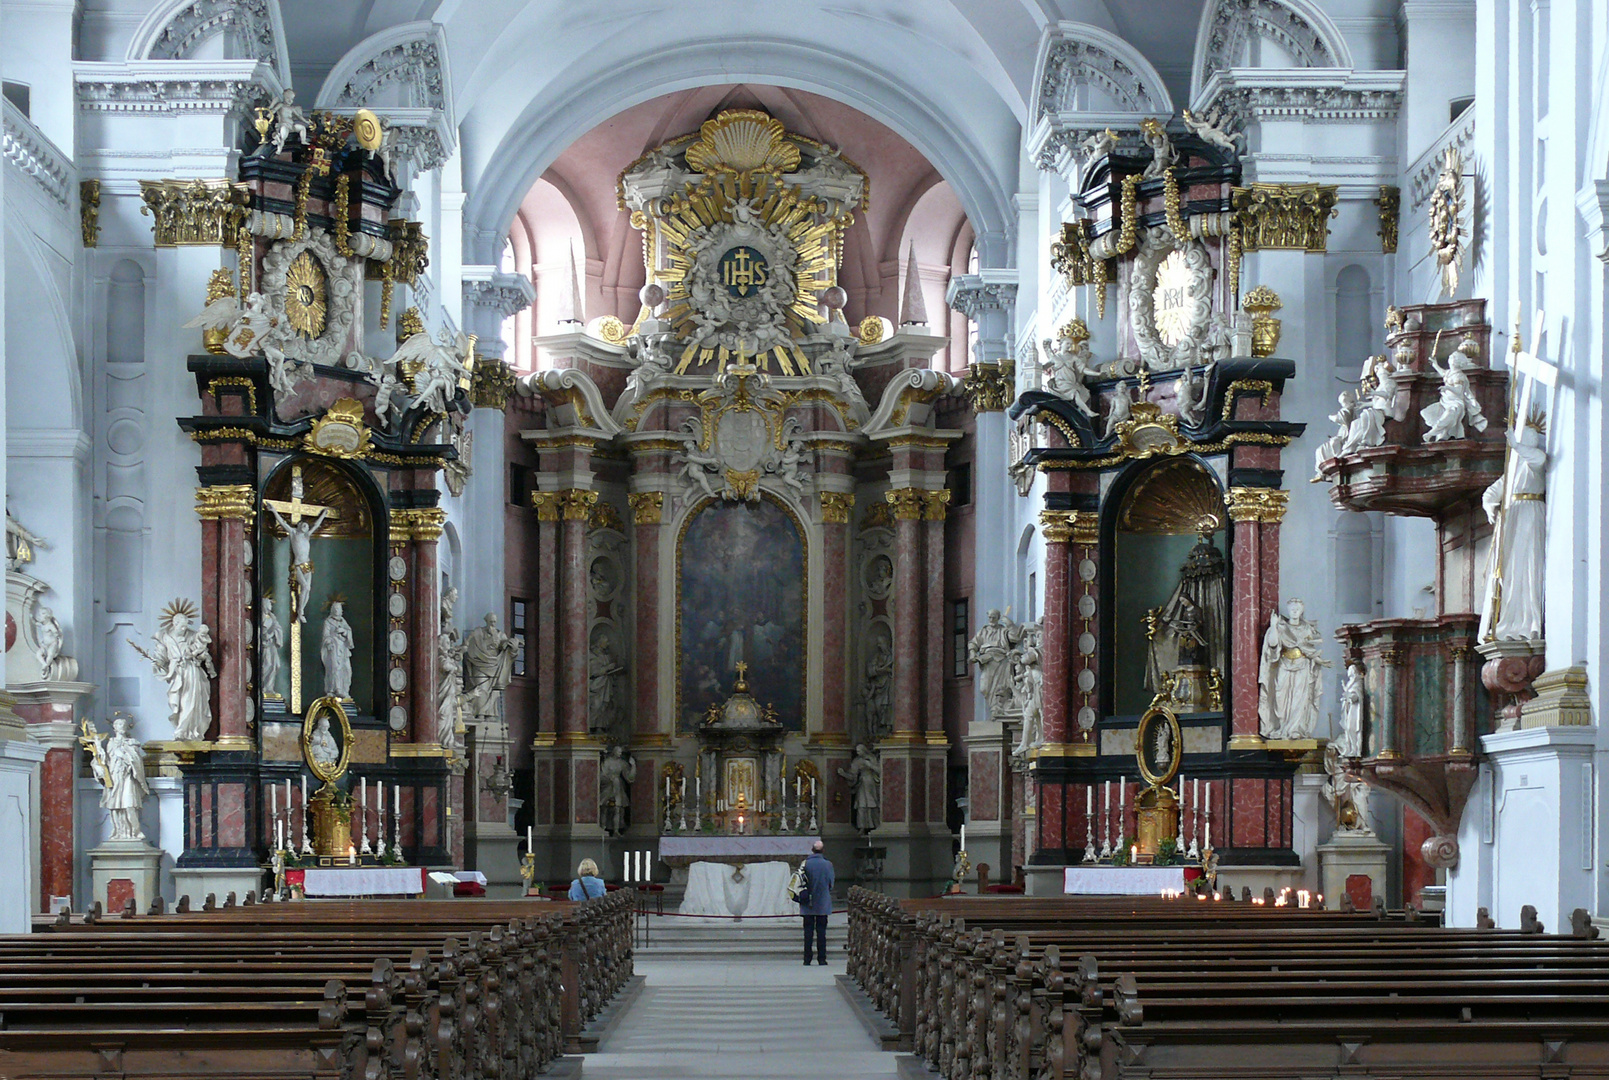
(1163, 467)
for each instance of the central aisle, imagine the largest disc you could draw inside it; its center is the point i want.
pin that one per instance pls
(753, 1017)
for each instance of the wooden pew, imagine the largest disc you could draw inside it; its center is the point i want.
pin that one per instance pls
(439, 989)
(1177, 988)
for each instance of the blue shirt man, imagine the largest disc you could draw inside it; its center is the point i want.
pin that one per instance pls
(819, 881)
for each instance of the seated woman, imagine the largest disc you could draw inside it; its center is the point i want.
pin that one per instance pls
(587, 883)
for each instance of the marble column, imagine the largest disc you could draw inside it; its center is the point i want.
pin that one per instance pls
(933, 650)
(909, 582)
(838, 681)
(1255, 514)
(1055, 664)
(575, 509)
(647, 515)
(546, 616)
(226, 512)
(426, 622)
(49, 709)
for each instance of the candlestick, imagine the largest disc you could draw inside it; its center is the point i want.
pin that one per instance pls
(1090, 854)
(363, 818)
(1106, 821)
(1207, 846)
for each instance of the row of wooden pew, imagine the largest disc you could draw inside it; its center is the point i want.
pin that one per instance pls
(392, 990)
(1069, 988)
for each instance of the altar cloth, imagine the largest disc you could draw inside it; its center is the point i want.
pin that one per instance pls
(753, 890)
(684, 850)
(363, 881)
(1122, 880)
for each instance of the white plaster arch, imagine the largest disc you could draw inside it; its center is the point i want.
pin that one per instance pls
(426, 39)
(982, 167)
(1120, 71)
(44, 389)
(1596, 162)
(1300, 29)
(175, 29)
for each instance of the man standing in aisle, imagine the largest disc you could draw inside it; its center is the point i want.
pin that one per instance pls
(816, 905)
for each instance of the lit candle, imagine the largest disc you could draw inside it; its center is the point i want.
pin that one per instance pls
(1134, 853)
(351, 855)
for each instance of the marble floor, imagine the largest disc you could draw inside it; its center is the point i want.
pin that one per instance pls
(754, 1017)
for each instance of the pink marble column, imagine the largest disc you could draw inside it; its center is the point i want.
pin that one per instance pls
(573, 612)
(56, 825)
(934, 614)
(226, 608)
(647, 509)
(545, 503)
(1250, 614)
(1056, 664)
(835, 620)
(425, 623)
(909, 582)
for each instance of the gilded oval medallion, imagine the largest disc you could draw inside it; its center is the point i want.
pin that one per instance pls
(306, 295)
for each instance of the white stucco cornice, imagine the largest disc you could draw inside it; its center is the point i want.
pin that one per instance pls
(170, 87)
(1087, 79)
(1300, 28)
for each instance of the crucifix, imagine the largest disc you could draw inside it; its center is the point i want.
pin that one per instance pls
(299, 531)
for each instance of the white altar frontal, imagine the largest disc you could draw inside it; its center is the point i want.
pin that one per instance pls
(736, 876)
(1122, 880)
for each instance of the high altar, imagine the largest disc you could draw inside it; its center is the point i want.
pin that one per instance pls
(738, 482)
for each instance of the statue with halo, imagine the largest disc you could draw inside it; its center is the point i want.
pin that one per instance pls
(181, 655)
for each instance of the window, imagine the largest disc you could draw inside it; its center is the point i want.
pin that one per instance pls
(1033, 596)
(960, 624)
(518, 617)
(519, 485)
(17, 93)
(959, 483)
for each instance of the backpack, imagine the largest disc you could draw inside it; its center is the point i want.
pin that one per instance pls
(799, 886)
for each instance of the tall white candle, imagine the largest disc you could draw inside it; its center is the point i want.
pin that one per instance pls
(288, 803)
(304, 809)
(273, 800)
(963, 836)
(396, 800)
(363, 806)
(1195, 805)
(1209, 815)
(528, 845)
(379, 813)
(1089, 803)
(1122, 802)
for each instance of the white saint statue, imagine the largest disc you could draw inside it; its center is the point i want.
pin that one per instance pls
(605, 674)
(616, 774)
(335, 650)
(1376, 402)
(1028, 689)
(271, 639)
(1353, 698)
(1347, 794)
(1514, 505)
(1289, 676)
(449, 673)
(488, 667)
(119, 764)
(181, 655)
(1445, 418)
(990, 649)
(321, 745)
(865, 776)
(877, 694)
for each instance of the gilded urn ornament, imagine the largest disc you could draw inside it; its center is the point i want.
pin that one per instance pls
(1260, 304)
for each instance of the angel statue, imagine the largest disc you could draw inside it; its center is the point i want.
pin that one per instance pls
(181, 655)
(1445, 419)
(20, 544)
(1209, 129)
(1331, 447)
(249, 329)
(1122, 409)
(1162, 152)
(118, 761)
(1098, 145)
(1068, 364)
(441, 364)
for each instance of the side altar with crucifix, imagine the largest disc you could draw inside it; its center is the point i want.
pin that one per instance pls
(328, 740)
